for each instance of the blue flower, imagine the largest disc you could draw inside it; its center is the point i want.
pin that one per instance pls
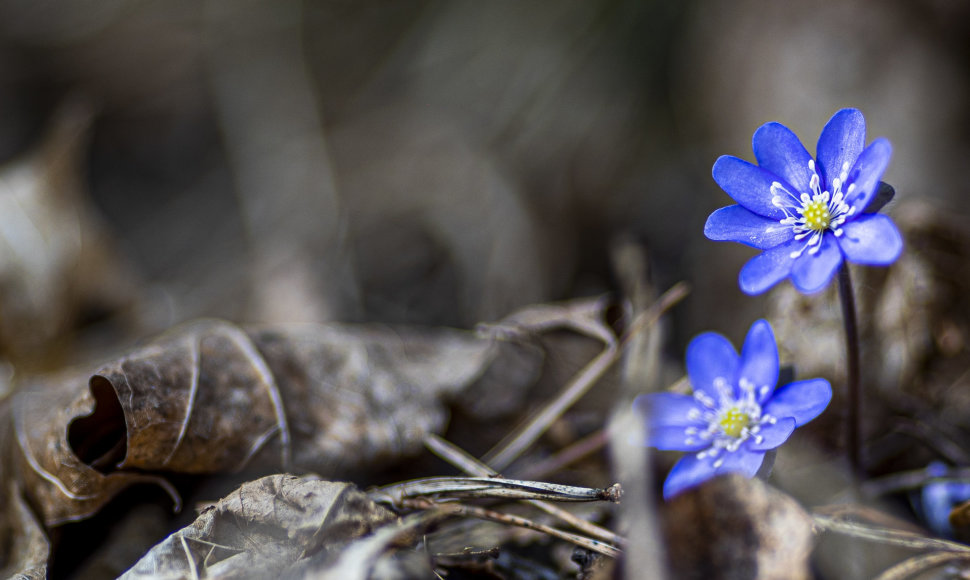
(735, 414)
(806, 214)
(938, 498)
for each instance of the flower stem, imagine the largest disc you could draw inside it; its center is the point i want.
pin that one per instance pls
(854, 389)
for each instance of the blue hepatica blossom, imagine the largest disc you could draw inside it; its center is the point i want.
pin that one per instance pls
(938, 498)
(735, 414)
(806, 214)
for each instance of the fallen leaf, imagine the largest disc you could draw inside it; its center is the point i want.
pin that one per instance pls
(61, 486)
(210, 397)
(732, 527)
(264, 527)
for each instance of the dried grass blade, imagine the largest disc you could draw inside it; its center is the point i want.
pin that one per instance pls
(462, 460)
(888, 536)
(512, 447)
(492, 488)
(920, 564)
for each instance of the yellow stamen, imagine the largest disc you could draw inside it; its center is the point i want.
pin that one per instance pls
(816, 214)
(733, 422)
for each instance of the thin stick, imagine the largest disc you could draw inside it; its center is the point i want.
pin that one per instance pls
(456, 509)
(585, 446)
(513, 446)
(462, 460)
(457, 456)
(491, 488)
(887, 536)
(919, 564)
(854, 389)
(907, 480)
(537, 425)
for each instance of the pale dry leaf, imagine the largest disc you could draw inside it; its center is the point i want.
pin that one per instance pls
(54, 255)
(733, 527)
(26, 547)
(372, 557)
(263, 528)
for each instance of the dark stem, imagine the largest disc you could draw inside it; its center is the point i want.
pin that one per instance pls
(765, 470)
(854, 389)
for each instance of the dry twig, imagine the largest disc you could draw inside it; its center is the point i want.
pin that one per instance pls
(459, 458)
(446, 488)
(512, 447)
(461, 510)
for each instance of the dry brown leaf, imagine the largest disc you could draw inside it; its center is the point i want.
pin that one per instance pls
(264, 527)
(734, 527)
(210, 397)
(61, 486)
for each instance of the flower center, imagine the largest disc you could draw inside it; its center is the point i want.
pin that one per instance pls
(810, 215)
(816, 215)
(730, 420)
(733, 422)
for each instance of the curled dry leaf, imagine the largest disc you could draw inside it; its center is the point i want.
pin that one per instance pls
(211, 397)
(59, 483)
(734, 527)
(263, 528)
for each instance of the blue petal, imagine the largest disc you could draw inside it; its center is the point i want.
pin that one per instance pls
(747, 184)
(688, 472)
(767, 269)
(741, 461)
(710, 356)
(691, 471)
(759, 357)
(779, 151)
(937, 504)
(939, 497)
(812, 272)
(842, 140)
(736, 224)
(801, 400)
(674, 439)
(666, 409)
(773, 435)
(867, 172)
(871, 239)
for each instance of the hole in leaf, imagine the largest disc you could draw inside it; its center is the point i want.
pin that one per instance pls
(100, 439)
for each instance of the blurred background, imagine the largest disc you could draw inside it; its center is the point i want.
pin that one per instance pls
(416, 161)
(445, 163)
